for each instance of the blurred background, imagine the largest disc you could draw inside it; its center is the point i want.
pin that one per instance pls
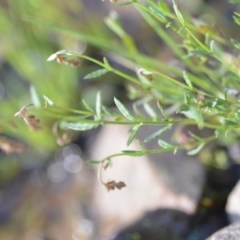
(47, 190)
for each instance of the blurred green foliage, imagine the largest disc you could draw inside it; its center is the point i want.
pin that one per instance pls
(29, 36)
(25, 47)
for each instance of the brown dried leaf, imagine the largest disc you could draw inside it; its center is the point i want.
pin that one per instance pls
(31, 120)
(63, 57)
(111, 185)
(107, 163)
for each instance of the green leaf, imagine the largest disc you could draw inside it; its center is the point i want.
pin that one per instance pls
(96, 74)
(112, 21)
(164, 7)
(236, 18)
(157, 12)
(98, 106)
(187, 80)
(175, 150)
(236, 43)
(86, 105)
(133, 153)
(212, 45)
(35, 97)
(231, 123)
(125, 3)
(149, 110)
(178, 14)
(164, 114)
(165, 145)
(108, 111)
(157, 133)
(48, 101)
(133, 134)
(94, 161)
(193, 113)
(196, 150)
(106, 64)
(79, 126)
(123, 110)
(221, 132)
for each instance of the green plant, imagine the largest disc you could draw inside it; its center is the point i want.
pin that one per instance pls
(202, 92)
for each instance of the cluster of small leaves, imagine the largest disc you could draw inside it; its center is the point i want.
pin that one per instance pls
(142, 114)
(204, 92)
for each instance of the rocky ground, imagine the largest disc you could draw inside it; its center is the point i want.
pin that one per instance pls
(166, 194)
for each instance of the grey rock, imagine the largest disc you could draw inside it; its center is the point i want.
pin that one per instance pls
(232, 232)
(149, 183)
(233, 206)
(160, 224)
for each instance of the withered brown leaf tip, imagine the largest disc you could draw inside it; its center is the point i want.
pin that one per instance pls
(31, 120)
(112, 185)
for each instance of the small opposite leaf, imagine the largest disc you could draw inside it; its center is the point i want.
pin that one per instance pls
(236, 18)
(123, 110)
(86, 105)
(212, 45)
(106, 64)
(94, 161)
(113, 23)
(196, 150)
(98, 106)
(79, 126)
(108, 110)
(179, 15)
(193, 113)
(157, 133)
(96, 74)
(125, 3)
(164, 7)
(164, 144)
(133, 133)
(35, 97)
(236, 43)
(48, 101)
(133, 153)
(157, 12)
(150, 111)
(187, 80)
